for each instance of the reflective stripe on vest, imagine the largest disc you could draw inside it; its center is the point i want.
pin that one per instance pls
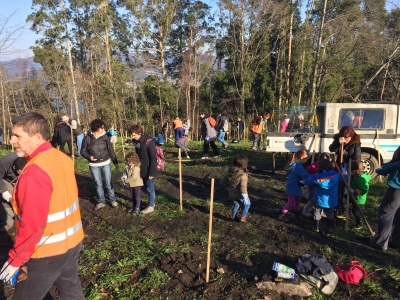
(63, 229)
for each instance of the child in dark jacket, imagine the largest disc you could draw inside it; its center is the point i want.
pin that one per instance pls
(326, 184)
(296, 172)
(359, 186)
(237, 178)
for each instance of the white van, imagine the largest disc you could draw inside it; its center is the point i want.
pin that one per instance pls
(377, 123)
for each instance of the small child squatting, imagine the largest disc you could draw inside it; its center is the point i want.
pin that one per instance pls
(237, 178)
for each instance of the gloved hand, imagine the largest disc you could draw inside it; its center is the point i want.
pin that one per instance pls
(7, 272)
(301, 181)
(379, 171)
(207, 139)
(6, 196)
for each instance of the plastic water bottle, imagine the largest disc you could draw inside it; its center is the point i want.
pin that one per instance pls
(123, 178)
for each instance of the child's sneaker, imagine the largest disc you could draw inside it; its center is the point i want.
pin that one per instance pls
(136, 211)
(282, 217)
(187, 157)
(357, 227)
(114, 204)
(243, 219)
(130, 210)
(148, 209)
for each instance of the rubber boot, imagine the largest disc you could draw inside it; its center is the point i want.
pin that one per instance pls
(316, 226)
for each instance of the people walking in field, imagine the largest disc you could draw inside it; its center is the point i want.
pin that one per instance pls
(312, 170)
(222, 128)
(237, 178)
(62, 135)
(240, 127)
(257, 128)
(359, 186)
(326, 184)
(48, 223)
(296, 172)
(146, 150)
(389, 209)
(134, 181)
(209, 135)
(178, 128)
(97, 149)
(183, 144)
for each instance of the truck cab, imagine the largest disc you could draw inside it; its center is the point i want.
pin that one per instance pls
(377, 123)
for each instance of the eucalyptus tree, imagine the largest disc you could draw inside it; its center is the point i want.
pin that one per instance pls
(245, 27)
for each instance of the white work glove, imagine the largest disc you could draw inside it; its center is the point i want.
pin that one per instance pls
(7, 272)
(6, 196)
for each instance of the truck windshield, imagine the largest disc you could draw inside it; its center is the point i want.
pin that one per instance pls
(293, 119)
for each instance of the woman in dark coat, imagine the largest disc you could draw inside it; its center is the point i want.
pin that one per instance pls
(351, 150)
(351, 144)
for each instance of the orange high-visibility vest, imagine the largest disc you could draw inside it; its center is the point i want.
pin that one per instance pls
(63, 229)
(177, 124)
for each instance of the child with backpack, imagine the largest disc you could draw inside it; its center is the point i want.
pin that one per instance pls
(134, 181)
(296, 172)
(326, 184)
(312, 170)
(359, 186)
(237, 177)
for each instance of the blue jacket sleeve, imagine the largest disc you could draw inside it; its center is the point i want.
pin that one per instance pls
(389, 168)
(301, 172)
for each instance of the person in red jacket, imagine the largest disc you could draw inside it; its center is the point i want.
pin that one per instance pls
(47, 216)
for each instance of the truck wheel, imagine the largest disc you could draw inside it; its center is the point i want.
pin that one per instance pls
(370, 163)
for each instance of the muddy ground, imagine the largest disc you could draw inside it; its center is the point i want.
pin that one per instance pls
(245, 251)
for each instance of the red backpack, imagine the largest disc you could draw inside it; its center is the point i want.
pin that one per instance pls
(351, 272)
(159, 155)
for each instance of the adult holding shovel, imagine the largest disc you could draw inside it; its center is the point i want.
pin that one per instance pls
(346, 145)
(389, 210)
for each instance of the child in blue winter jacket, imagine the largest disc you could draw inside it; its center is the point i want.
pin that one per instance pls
(326, 184)
(296, 173)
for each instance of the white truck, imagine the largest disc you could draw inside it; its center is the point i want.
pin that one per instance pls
(377, 123)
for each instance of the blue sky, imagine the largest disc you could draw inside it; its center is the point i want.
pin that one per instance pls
(21, 9)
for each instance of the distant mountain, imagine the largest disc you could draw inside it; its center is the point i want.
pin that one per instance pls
(17, 67)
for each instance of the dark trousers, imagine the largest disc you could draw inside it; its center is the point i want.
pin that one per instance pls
(135, 196)
(206, 148)
(62, 270)
(388, 217)
(62, 146)
(357, 213)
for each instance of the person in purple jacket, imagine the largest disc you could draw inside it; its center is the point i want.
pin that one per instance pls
(296, 172)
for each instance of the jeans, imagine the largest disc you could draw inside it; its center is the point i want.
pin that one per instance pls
(183, 148)
(237, 204)
(62, 270)
(257, 140)
(149, 184)
(100, 173)
(79, 139)
(221, 137)
(178, 133)
(388, 218)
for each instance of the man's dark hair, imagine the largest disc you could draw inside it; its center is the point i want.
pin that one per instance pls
(96, 124)
(136, 129)
(201, 112)
(32, 123)
(19, 163)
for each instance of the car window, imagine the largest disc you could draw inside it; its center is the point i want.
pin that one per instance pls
(361, 118)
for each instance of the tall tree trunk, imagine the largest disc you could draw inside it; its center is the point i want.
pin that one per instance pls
(314, 75)
(71, 68)
(289, 55)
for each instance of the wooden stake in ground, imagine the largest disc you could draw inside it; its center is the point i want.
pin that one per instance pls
(210, 230)
(379, 155)
(346, 223)
(353, 199)
(72, 145)
(180, 177)
(341, 152)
